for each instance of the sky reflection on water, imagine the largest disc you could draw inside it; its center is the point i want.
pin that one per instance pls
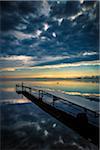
(25, 126)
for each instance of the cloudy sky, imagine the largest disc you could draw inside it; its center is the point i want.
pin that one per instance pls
(49, 38)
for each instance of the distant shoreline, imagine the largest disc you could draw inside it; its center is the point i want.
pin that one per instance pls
(83, 79)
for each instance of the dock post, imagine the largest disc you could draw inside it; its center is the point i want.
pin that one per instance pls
(22, 89)
(40, 94)
(22, 86)
(53, 100)
(30, 89)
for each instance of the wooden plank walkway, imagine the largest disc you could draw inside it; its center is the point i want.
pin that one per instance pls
(75, 100)
(79, 123)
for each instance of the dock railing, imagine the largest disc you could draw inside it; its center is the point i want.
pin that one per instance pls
(41, 93)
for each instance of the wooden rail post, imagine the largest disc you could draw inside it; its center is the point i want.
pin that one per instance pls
(22, 86)
(22, 89)
(40, 94)
(30, 90)
(54, 98)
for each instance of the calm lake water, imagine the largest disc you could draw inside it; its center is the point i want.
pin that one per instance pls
(69, 86)
(25, 126)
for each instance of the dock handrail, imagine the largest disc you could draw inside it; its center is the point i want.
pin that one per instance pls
(42, 92)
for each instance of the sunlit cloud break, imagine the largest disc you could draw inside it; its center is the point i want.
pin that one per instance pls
(83, 63)
(72, 18)
(8, 69)
(14, 61)
(21, 36)
(77, 64)
(14, 57)
(46, 26)
(89, 53)
(27, 61)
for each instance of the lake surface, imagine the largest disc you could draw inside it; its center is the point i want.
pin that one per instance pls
(69, 86)
(25, 126)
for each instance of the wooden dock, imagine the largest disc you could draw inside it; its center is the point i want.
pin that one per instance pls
(78, 122)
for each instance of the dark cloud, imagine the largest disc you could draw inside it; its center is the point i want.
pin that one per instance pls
(72, 8)
(41, 28)
(89, 4)
(8, 6)
(65, 8)
(12, 12)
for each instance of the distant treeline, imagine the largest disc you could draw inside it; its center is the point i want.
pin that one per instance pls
(91, 78)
